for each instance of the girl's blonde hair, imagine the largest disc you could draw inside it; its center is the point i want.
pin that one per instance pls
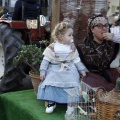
(60, 28)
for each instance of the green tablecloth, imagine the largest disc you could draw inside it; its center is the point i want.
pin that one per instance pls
(23, 105)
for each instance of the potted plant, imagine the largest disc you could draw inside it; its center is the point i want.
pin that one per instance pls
(32, 56)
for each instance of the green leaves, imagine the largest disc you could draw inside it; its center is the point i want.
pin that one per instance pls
(30, 54)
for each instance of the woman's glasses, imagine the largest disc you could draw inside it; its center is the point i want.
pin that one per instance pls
(100, 26)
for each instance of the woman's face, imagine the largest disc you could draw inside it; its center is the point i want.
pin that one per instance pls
(99, 28)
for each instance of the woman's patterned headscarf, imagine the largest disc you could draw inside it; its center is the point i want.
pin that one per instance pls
(93, 20)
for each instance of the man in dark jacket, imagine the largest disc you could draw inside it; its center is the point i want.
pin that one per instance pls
(31, 9)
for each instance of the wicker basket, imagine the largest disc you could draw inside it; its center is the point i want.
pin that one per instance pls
(35, 81)
(117, 115)
(108, 104)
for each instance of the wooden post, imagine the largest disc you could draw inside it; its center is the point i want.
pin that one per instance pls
(55, 13)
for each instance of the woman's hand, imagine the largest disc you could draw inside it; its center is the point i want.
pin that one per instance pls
(108, 36)
(42, 77)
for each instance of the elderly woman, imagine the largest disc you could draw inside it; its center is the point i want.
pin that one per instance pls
(97, 54)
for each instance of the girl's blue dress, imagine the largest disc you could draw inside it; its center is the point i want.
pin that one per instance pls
(59, 85)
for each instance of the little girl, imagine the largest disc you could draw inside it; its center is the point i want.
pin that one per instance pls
(60, 68)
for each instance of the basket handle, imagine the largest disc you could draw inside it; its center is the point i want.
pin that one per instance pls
(99, 92)
(117, 116)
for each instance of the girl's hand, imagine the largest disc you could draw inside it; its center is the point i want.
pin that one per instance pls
(42, 77)
(108, 36)
(83, 73)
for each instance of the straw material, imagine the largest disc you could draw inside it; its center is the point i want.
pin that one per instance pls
(108, 104)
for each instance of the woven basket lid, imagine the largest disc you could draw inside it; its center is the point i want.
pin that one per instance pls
(112, 97)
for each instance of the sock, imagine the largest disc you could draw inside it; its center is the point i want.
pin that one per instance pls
(69, 110)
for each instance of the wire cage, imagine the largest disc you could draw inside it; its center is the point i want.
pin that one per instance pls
(84, 107)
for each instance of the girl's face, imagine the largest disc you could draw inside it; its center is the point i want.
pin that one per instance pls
(99, 28)
(67, 37)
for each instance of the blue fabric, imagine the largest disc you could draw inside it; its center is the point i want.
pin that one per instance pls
(30, 12)
(17, 14)
(55, 94)
(61, 78)
(65, 78)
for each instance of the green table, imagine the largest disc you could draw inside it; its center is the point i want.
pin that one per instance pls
(23, 105)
